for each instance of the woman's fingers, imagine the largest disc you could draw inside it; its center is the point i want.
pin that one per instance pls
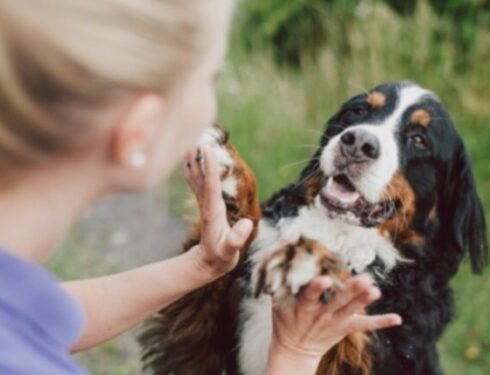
(310, 297)
(212, 204)
(239, 234)
(210, 164)
(359, 302)
(188, 177)
(202, 175)
(193, 173)
(352, 288)
(361, 323)
(236, 238)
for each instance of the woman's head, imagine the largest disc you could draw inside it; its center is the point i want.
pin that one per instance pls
(117, 77)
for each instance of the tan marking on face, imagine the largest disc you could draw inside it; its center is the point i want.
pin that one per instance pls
(399, 227)
(376, 99)
(313, 187)
(420, 117)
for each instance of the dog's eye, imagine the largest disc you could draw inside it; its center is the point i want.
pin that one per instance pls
(418, 141)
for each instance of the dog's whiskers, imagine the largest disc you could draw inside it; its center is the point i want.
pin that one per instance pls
(307, 146)
(308, 176)
(359, 86)
(298, 162)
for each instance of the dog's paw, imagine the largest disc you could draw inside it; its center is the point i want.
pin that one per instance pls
(285, 272)
(216, 138)
(238, 184)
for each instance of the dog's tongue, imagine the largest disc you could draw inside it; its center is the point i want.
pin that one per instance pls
(341, 193)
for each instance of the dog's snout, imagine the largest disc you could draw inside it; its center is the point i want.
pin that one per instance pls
(360, 145)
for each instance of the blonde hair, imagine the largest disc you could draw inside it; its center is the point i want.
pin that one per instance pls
(62, 59)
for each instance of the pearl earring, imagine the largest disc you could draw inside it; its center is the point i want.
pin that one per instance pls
(138, 160)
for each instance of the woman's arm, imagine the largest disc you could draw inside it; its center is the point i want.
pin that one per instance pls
(113, 304)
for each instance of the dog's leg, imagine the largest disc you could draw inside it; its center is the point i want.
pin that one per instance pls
(195, 335)
(284, 272)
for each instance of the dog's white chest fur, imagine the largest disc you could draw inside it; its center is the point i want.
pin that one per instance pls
(358, 247)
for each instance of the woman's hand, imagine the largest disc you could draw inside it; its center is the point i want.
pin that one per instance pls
(303, 332)
(218, 252)
(135, 295)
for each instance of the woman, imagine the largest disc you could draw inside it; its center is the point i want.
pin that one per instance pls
(101, 97)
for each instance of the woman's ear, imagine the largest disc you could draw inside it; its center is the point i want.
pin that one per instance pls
(132, 143)
(132, 135)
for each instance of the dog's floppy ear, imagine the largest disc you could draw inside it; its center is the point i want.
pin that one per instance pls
(462, 215)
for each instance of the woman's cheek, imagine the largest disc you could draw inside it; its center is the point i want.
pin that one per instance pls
(196, 113)
(207, 110)
(202, 114)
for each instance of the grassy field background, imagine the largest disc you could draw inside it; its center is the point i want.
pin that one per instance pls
(276, 116)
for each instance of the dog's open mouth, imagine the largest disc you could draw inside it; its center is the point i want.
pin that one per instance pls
(340, 197)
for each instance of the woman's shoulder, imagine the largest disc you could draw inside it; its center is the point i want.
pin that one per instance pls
(39, 320)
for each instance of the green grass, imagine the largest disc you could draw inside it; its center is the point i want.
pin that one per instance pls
(276, 118)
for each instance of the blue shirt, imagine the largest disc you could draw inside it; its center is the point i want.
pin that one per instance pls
(39, 321)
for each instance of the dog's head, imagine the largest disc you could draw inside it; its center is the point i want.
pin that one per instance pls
(392, 159)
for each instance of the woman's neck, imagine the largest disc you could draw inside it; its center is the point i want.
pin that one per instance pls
(36, 213)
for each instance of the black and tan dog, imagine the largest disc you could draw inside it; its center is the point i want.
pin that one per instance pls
(390, 192)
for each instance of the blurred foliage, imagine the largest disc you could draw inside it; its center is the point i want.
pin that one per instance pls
(297, 30)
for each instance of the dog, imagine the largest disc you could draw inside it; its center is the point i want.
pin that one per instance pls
(389, 192)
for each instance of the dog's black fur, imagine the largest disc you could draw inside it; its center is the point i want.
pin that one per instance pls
(419, 290)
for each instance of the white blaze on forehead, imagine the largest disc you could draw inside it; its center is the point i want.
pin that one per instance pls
(407, 96)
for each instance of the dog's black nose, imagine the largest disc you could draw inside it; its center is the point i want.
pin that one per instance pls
(360, 145)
